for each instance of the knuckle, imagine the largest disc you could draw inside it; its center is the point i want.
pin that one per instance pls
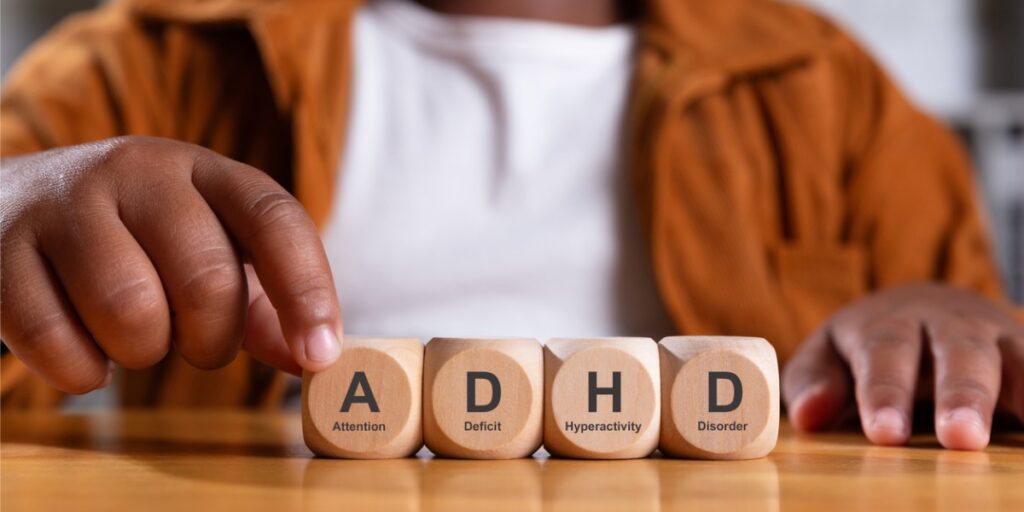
(966, 391)
(214, 287)
(124, 149)
(966, 333)
(968, 320)
(807, 361)
(131, 326)
(880, 385)
(275, 209)
(210, 333)
(127, 153)
(40, 342)
(975, 341)
(133, 307)
(312, 295)
(966, 345)
(886, 330)
(40, 334)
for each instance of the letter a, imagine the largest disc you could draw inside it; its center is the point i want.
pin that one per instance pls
(359, 381)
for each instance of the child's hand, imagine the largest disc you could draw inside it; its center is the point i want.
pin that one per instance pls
(972, 349)
(118, 248)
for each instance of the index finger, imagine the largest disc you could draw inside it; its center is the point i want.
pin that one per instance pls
(275, 231)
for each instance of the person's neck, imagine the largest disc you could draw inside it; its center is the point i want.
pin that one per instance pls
(589, 13)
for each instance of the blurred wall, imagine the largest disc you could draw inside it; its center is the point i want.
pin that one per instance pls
(21, 21)
(945, 53)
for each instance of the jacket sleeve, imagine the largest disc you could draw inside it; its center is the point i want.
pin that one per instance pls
(912, 199)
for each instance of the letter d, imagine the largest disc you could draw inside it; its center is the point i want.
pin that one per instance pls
(737, 395)
(471, 405)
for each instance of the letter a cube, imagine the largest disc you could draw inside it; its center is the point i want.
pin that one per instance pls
(720, 397)
(483, 397)
(602, 397)
(368, 405)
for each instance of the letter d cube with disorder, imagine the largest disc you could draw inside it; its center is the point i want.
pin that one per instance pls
(720, 397)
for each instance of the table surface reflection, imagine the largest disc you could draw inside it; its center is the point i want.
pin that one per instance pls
(178, 460)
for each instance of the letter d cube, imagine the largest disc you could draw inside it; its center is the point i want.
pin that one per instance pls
(368, 405)
(720, 397)
(483, 397)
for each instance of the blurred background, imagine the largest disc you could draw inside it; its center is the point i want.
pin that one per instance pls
(963, 60)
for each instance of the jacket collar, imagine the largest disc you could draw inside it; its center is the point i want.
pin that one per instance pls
(703, 45)
(735, 36)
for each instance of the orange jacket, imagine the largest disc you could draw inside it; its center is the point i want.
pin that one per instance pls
(779, 172)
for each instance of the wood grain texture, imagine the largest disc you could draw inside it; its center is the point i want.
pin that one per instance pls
(601, 397)
(369, 404)
(215, 460)
(483, 398)
(720, 397)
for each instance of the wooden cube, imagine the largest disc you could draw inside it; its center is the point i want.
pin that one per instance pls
(601, 397)
(720, 397)
(483, 397)
(369, 404)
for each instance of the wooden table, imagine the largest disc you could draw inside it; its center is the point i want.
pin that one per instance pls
(236, 461)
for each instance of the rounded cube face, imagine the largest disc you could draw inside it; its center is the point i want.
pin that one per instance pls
(368, 405)
(603, 397)
(718, 384)
(483, 397)
(720, 397)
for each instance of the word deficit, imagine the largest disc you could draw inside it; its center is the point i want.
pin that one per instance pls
(591, 398)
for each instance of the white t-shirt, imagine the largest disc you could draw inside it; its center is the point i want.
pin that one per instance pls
(482, 190)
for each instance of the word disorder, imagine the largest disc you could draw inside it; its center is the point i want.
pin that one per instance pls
(703, 397)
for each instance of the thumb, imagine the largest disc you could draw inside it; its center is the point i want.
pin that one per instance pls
(815, 384)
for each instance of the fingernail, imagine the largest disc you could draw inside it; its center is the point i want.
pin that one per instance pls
(973, 432)
(798, 412)
(807, 394)
(963, 429)
(966, 415)
(889, 419)
(322, 345)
